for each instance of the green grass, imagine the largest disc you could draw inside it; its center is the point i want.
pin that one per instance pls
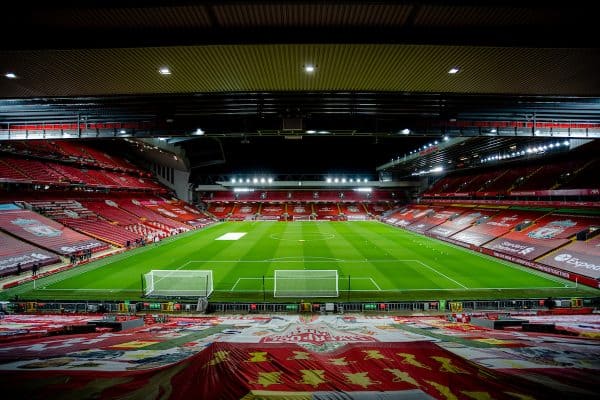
(375, 261)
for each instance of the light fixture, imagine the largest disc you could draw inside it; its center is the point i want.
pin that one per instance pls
(405, 131)
(247, 180)
(122, 131)
(262, 180)
(493, 131)
(164, 71)
(336, 180)
(199, 132)
(270, 180)
(254, 180)
(311, 131)
(343, 180)
(10, 75)
(365, 180)
(454, 70)
(446, 138)
(323, 132)
(309, 68)
(328, 180)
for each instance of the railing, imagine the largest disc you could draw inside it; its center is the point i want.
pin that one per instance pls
(186, 307)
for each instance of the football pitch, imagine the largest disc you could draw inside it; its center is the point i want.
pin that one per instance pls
(374, 262)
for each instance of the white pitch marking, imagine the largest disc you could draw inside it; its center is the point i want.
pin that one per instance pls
(445, 276)
(375, 283)
(236, 283)
(232, 236)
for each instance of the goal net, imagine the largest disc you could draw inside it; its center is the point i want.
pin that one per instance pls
(192, 283)
(305, 283)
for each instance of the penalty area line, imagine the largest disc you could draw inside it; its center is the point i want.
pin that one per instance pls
(442, 274)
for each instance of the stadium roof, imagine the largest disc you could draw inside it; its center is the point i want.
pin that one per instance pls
(232, 68)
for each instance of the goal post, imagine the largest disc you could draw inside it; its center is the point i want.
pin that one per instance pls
(306, 283)
(179, 282)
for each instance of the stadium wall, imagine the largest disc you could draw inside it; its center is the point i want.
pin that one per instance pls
(179, 183)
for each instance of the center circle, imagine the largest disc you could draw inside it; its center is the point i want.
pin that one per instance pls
(302, 237)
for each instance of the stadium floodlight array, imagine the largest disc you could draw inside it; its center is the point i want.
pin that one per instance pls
(305, 283)
(178, 283)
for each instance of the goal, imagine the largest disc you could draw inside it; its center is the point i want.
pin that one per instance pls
(187, 283)
(305, 283)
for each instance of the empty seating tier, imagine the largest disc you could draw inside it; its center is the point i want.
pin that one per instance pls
(47, 233)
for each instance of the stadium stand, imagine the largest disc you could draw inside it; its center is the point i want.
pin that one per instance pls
(271, 211)
(433, 218)
(326, 211)
(14, 252)
(585, 177)
(149, 216)
(47, 233)
(300, 211)
(36, 170)
(581, 257)
(544, 235)
(496, 226)
(109, 210)
(220, 210)
(377, 208)
(244, 211)
(354, 211)
(461, 222)
(407, 215)
(102, 230)
(565, 174)
(9, 174)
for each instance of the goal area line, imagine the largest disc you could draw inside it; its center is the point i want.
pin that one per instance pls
(271, 278)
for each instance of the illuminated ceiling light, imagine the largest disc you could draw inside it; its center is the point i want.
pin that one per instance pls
(270, 180)
(493, 131)
(328, 180)
(351, 180)
(199, 132)
(446, 138)
(262, 180)
(10, 75)
(247, 180)
(343, 180)
(566, 143)
(309, 68)
(254, 180)
(436, 142)
(164, 71)
(551, 145)
(162, 139)
(336, 180)
(454, 70)
(323, 132)
(405, 131)
(232, 180)
(311, 131)
(365, 180)
(122, 131)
